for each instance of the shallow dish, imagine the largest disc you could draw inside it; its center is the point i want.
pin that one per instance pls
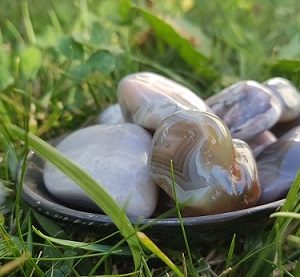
(166, 231)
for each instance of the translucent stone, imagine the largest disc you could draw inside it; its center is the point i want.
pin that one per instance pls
(247, 107)
(278, 165)
(147, 98)
(288, 96)
(213, 173)
(261, 141)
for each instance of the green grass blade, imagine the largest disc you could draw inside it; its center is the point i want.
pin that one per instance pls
(181, 220)
(230, 252)
(14, 265)
(294, 239)
(166, 32)
(83, 245)
(28, 23)
(91, 187)
(16, 253)
(259, 266)
(155, 250)
(286, 214)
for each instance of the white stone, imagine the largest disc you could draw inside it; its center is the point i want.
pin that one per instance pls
(111, 115)
(116, 156)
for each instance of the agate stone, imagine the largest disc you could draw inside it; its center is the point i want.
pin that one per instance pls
(212, 172)
(261, 141)
(247, 107)
(278, 165)
(147, 98)
(116, 156)
(288, 96)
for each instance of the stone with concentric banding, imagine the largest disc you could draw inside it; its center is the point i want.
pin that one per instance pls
(147, 98)
(213, 173)
(247, 107)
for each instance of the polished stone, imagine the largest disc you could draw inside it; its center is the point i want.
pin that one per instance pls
(147, 98)
(111, 115)
(116, 156)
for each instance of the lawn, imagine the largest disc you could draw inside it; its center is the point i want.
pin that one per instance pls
(60, 64)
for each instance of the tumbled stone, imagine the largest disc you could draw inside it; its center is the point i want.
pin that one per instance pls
(111, 115)
(147, 98)
(283, 127)
(212, 173)
(278, 165)
(116, 156)
(261, 141)
(288, 96)
(247, 107)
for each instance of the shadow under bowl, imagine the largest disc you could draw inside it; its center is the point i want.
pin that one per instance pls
(164, 231)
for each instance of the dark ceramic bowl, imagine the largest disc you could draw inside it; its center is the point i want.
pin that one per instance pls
(165, 231)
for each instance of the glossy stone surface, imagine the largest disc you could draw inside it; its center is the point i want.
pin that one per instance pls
(247, 107)
(111, 115)
(147, 98)
(278, 165)
(261, 141)
(288, 95)
(116, 156)
(213, 173)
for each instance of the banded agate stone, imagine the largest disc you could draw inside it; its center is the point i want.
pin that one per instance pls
(147, 98)
(247, 107)
(213, 173)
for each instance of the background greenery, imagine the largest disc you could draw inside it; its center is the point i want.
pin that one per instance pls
(60, 63)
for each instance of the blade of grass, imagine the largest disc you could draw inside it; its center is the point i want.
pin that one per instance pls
(15, 252)
(14, 31)
(83, 245)
(155, 250)
(276, 235)
(166, 32)
(92, 188)
(19, 184)
(230, 252)
(181, 220)
(286, 214)
(147, 271)
(28, 23)
(15, 264)
(294, 239)
(55, 22)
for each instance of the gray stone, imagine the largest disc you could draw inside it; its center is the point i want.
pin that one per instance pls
(116, 156)
(248, 108)
(288, 96)
(111, 115)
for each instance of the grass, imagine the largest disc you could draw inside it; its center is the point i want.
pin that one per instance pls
(60, 63)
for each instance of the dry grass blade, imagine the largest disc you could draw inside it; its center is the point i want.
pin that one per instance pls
(14, 264)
